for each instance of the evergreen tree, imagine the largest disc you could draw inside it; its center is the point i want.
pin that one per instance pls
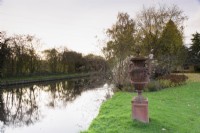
(171, 49)
(194, 51)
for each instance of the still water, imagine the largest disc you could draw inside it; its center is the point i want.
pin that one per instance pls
(62, 106)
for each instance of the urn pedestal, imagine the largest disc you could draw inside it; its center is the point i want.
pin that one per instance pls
(140, 110)
(139, 78)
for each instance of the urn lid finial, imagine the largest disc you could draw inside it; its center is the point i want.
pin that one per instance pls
(137, 51)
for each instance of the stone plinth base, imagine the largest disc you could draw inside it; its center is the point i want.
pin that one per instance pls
(140, 110)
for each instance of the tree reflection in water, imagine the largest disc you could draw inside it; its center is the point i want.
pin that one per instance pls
(20, 106)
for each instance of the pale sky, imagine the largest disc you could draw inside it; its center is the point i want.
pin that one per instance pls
(79, 24)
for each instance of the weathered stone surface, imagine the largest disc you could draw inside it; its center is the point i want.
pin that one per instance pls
(140, 110)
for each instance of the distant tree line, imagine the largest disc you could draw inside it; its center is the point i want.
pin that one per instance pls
(19, 56)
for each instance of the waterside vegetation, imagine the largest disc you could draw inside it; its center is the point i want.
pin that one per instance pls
(42, 78)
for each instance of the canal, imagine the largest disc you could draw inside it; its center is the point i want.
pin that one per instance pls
(66, 106)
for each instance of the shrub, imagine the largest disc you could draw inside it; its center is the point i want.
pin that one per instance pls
(159, 71)
(153, 86)
(158, 85)
(125, 87)
(165, 83)
(175, 79)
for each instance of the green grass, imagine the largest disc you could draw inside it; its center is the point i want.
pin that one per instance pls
(172, 110)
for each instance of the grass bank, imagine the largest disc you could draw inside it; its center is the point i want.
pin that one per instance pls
(172, 110)
(32, 79)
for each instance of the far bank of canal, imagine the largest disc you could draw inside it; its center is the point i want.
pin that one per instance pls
(39, 79)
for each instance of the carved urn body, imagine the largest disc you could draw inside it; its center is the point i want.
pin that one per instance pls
(138, 71)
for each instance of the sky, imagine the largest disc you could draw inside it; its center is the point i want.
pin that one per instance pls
(80, 25)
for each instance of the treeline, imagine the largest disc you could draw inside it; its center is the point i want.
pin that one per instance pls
(156, 31)
(19, 56)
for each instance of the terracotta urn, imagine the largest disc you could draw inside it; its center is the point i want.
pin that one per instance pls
(139, 76)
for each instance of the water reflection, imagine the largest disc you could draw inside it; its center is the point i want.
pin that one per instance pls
(27, 105)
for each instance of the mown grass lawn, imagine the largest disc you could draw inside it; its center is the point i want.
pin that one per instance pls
(172, 110)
